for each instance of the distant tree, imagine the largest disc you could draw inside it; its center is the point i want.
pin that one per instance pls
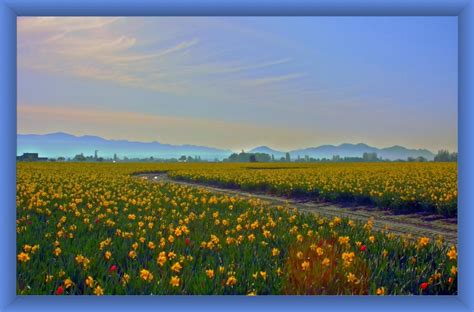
(287, 157)
(336, 158)
(182, 158)
(79, 157)
(369, 157)
(61, 158)
(273, 157)
(445, 156)
(252, 158)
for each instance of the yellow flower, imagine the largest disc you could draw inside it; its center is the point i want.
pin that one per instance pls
(23, 257)
(380, 291)
(305, 265)
(146, 275)
(210, 273)
(263, 274)
(151, 245)
(107, 255)
(26, 248)
(125, 279)
(231, 281)
(171, 239)
(57, 251)
(176, 267)
(423, 241)
(343, 240)
(351, 278)
(326, 261)
(299, 255)
(98, 291)
(452, 253)
(252, 293)
(161, 259)
(90, 282)
(251, 237)
(319, 251)
(49, 278)
(131, 217)
(68, 283)
(454, 270)
(132, 254)
(34, 248)
(174, 281)
(275, 252)
(372, 238)
(348, 258)
(299, 238)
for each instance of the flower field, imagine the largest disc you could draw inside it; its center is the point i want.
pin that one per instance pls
(402, 187)
(93, 229)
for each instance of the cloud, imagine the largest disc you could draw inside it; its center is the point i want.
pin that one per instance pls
(135, 53)
(273, 79)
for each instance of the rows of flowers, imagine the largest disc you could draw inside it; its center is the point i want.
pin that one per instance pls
(402, 187)
(93, 229)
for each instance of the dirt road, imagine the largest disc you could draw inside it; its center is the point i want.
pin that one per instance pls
(415, 224)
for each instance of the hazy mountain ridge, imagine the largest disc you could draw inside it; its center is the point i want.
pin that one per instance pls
(352, 150)
(67, 145)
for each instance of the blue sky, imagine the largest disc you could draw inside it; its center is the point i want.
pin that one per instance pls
(285, 82)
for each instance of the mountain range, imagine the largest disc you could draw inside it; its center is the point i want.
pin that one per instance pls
(67, 145)
(349, 150)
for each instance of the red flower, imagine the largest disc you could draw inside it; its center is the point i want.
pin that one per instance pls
(363, 248)
(60, 290)
(423, 286)
(113, 268)
(186, 241)
(97, 221)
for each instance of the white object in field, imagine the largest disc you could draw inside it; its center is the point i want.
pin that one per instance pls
(114, 161)
(155, 178)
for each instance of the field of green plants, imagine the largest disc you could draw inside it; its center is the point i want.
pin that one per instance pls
(94, 229)
(401, 187)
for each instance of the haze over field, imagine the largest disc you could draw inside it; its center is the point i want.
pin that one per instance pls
(53, 145)
(231, 83)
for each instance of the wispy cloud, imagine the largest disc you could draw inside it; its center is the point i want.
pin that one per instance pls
(102, 48)
(273, 79)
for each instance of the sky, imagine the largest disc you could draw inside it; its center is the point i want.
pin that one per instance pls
(241, 82)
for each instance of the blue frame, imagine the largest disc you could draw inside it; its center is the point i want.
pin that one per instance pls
(10, 9)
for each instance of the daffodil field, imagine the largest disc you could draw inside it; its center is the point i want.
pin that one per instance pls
(95, 229)
(402, 187)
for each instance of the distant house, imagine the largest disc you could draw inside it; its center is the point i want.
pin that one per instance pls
(30, 157)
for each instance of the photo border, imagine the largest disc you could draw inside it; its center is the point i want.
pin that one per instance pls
(10, 9)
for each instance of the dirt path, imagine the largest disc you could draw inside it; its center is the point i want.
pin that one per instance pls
(415, 224)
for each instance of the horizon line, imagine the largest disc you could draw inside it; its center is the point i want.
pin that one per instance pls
(230, 149)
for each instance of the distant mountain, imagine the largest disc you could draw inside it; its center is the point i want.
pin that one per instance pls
(357, 150)
(269, 151)
(67, 145)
